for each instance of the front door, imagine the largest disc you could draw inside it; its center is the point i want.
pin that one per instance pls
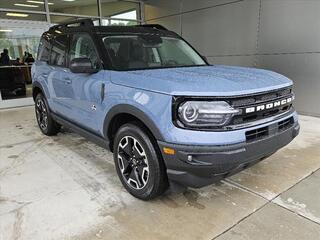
(88, 89)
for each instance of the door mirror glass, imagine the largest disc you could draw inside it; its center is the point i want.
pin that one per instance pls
(82, 65)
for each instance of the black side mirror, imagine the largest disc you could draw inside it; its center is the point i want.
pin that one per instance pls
(82, 65)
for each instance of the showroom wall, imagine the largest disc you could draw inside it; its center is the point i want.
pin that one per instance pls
(280, 35)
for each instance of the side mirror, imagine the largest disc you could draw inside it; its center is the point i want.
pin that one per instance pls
(82, 65)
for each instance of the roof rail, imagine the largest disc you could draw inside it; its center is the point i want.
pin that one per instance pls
(155, 26)
(87, 22)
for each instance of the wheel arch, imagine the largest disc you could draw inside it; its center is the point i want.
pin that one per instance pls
(124, 113)
(36, 89)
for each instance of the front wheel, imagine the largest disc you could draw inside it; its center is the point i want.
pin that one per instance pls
(138, 163)
(45, 121)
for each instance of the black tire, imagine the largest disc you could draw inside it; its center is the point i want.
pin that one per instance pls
(44, 119)
(154, 180)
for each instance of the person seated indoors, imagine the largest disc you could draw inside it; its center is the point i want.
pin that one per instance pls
(5, 59)
(29, 59)
(25, 56)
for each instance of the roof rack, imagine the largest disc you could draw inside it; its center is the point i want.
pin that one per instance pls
(155, 26)
(86, 22)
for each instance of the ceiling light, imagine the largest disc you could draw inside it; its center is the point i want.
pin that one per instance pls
(26, 5)
(5, 30)
(68, 0)
(17, 15)
(38, 2)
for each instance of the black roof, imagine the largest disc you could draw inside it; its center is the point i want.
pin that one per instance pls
(87, 25)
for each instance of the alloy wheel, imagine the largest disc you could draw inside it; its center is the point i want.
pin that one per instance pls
(42, 114)
(133, 162)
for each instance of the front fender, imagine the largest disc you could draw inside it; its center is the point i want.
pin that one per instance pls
(134, 111)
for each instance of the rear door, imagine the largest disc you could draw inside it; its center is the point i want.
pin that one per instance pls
(60, 89)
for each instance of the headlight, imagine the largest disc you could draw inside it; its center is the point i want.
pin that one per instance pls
(205, 114)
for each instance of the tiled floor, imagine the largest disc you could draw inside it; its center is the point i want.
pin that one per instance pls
(65, 187)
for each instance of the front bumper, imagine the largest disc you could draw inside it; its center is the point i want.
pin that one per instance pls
(198, 166)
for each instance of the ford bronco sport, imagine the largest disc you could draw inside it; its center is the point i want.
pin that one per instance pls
(166, 114)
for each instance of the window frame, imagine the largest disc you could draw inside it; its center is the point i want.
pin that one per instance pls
(66, 50)
(44, 38)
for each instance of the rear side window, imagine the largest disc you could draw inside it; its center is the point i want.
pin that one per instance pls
(44, 50)
(58, 51)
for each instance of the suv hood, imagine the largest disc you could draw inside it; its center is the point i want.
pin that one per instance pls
(203, 81)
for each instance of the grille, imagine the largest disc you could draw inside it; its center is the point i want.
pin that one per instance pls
(264, 132)
(257, 134)
(285, 124)
(258, 100)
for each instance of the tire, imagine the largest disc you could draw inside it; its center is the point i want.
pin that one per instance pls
(44, 119)
(143, 172)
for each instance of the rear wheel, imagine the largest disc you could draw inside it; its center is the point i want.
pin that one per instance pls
(139, 165)
(45, 121)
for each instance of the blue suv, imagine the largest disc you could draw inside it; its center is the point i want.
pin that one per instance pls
(169, 117)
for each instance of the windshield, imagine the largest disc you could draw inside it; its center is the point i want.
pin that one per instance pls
(146, 51)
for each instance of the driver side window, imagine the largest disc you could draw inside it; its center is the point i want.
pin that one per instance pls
(82, 46)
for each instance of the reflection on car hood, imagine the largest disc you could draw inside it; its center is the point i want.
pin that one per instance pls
(203, 81)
